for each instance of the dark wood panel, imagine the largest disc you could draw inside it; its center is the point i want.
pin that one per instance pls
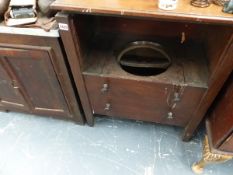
(10, 94)
(221, 120)
(73, 51)
(141, 27)
(217, 79)
(65, 78)
(35, 73)
(227, 146)
(214, 49)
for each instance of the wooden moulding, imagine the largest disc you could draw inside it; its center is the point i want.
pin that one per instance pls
(149, 8)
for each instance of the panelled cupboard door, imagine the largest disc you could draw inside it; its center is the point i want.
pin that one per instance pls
(10, 94)
(34, 74)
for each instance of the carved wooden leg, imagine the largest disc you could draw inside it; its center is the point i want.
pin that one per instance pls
(199, 166)
(208, 158)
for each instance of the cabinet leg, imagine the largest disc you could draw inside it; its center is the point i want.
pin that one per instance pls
(199, 166)
(209, 158)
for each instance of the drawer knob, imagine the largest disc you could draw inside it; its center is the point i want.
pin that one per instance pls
(176, 97)
(14, 84)
(107, 107)
(170, 115)
(104, 87)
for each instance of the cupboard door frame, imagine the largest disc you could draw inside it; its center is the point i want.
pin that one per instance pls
(11, 52)
(52, 47)
(15, 88)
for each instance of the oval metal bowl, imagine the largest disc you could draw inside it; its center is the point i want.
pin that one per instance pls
(144, 58)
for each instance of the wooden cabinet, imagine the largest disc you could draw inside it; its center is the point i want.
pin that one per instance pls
(34, 77)
(199, 68)
(220, 122)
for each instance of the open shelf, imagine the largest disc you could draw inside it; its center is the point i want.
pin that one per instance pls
(189, 65)
(194, 60)
(146, 8)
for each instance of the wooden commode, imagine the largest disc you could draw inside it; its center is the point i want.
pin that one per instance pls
(199, 43)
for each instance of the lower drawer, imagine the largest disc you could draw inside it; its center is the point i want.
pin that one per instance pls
(141, 100)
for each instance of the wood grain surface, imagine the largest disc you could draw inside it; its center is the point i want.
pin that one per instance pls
(146, 8)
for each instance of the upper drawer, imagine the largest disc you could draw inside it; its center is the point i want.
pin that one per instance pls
(140, 100)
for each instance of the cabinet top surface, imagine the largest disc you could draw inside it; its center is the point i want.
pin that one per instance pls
(146, 8)
(29, 31)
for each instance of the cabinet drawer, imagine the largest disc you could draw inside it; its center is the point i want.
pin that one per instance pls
(141, 100)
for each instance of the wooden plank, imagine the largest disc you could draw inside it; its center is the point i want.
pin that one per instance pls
(146, 8)
(70, 41)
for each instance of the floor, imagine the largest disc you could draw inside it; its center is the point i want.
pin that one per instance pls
(31, 145)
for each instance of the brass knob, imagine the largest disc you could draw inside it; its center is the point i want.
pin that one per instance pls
(176, 96)
(107, 107)
(170, 115)
(104, 88)
(14, 84)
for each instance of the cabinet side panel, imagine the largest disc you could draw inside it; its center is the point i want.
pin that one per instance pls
(221, 121)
